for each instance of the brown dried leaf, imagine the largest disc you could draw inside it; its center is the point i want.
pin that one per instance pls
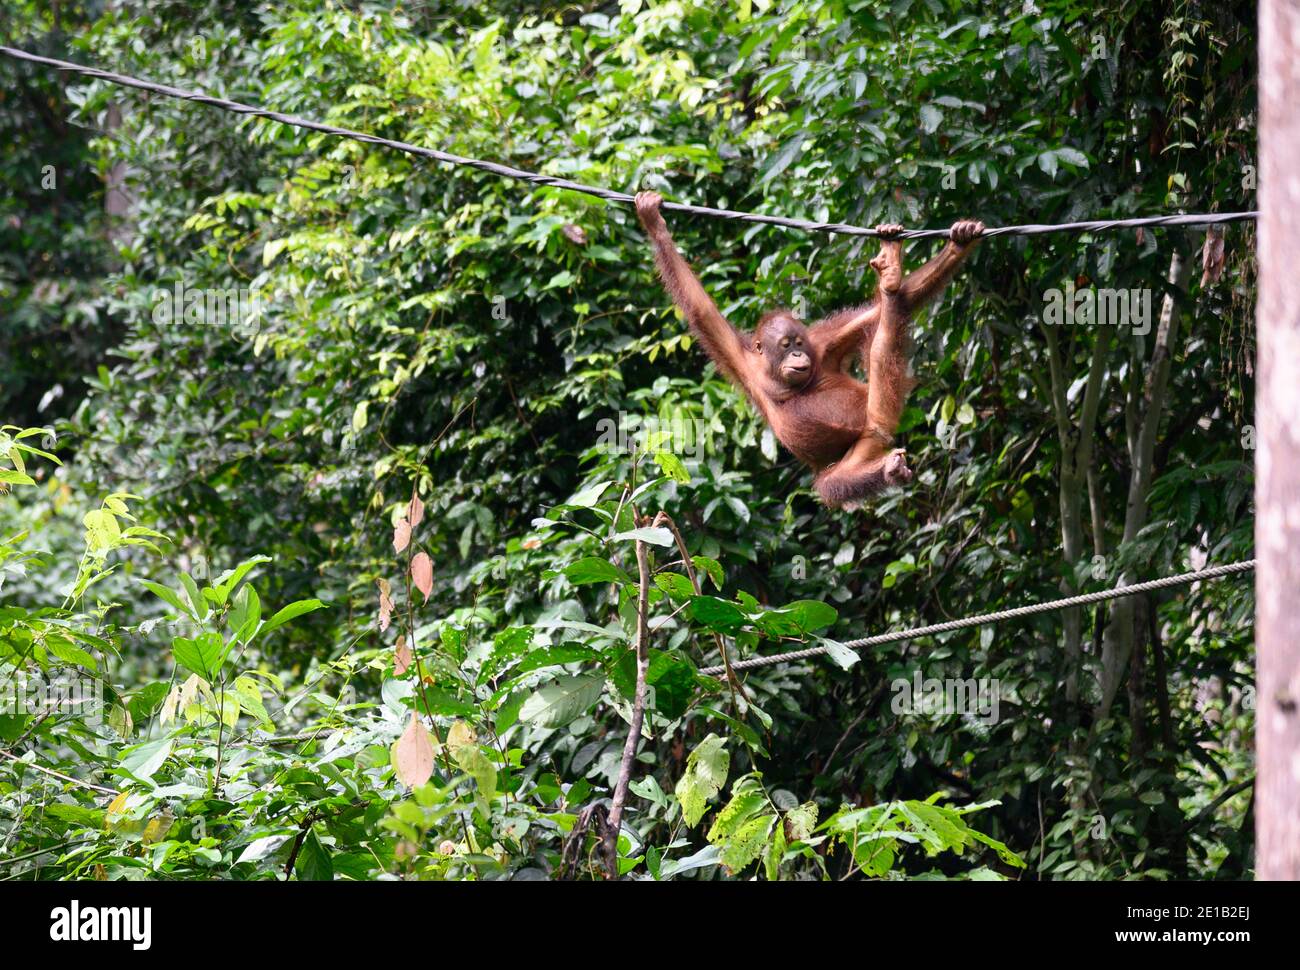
(422, 574)
(413, 755)
(1212, 257)
(385, 605)
(415, 511)
(173, 701)
(460, 735)
(575, 234)
(401, 657)
(401, 534)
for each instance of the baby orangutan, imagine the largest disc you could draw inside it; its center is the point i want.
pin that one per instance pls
(797, 376)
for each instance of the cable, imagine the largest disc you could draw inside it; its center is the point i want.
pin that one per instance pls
(1214, 572)
(1099, 225)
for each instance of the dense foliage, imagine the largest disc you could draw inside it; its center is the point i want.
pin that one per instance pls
(355, 573)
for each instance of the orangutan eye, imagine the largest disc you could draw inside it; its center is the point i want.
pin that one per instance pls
(785, 342)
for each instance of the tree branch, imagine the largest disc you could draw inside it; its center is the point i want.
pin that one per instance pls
(610, 847)
(1144, 425)
(57, 774)
(663, 518)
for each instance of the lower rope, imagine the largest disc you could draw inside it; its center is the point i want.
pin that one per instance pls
(1214, 572)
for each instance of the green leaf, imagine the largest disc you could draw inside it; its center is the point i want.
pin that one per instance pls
(672, 466)
(167, 595)
(672, 676)
(272, 249)
(775, 852)
(1072, 156)
(1004, 853)
(261, 848)
(565, 653)
(802, 821)
(779, 162)
(70, 653)
(748, 843)
(290, 612)
(656, 536)
(947, 409)
(313, 863)
(144, 760)
(675, 585)
(507, 715)
(839, 653)
(798, 619)
(91, 818)
(32, 432)
(716, 614)
(203, 655)
(648, 788)
(145, 701)
(589, 496)
(250, 699)
(746, 733)
(246, 615)
(472, 761)
(747, 800)
(558, 703)
(228, 580)
(708, 856)
(706, 773)
(712, 567)
(192, 590)
(594, 570)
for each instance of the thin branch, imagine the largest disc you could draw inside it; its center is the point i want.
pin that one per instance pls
(38, 852)
(732, 683)
(610, 847)
(60, 775)
(1092, 400)
(1211, 808)
(308, 821)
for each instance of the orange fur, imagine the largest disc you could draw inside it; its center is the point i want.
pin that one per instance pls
(796, 375)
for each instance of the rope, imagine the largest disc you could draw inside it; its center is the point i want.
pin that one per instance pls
(1099, 225)
(1214, 572)
(1033, 229)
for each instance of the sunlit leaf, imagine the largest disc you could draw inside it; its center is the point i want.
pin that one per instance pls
(413, 754)
(422, 573)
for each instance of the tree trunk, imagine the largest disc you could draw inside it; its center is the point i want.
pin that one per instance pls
(118, 205)
(1277, 461)
(1137, 675)
(1144, 424)
(1076, 441)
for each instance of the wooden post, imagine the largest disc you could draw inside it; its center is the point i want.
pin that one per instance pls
(1277, 461)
